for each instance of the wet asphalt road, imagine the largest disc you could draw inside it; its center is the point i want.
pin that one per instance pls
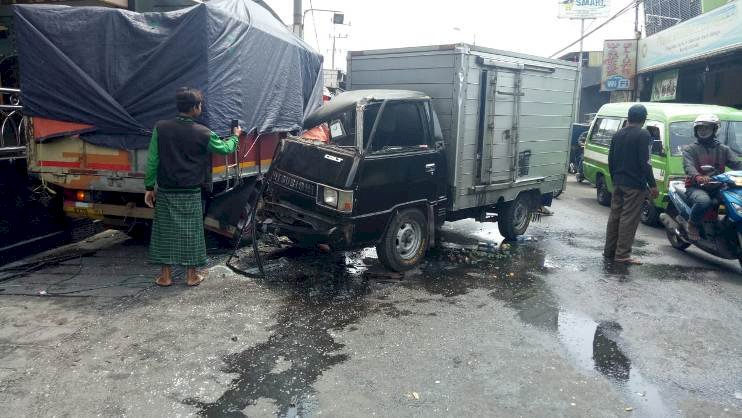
(543, 328)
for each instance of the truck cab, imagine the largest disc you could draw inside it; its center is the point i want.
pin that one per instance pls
(381, 179)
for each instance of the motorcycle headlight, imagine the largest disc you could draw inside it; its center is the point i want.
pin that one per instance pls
(737, 208)
(738, 181)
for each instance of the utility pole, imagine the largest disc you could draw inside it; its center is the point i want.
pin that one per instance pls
(298, 27)
(579, 73)
(638, 36)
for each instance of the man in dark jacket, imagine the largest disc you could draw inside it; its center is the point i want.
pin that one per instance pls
(179, 163)
(705, 151)
(633, 183)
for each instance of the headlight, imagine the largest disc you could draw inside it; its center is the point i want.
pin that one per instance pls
(340, 200)
(330, 197)
(738, 181)
(737, 208)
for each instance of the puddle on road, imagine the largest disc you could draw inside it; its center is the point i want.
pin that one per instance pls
(323, 296)
(518, 280)
(330, 293)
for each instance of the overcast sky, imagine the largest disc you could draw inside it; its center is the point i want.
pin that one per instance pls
(527, 26)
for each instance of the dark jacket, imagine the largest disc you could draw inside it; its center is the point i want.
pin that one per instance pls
(185, 161)
(714, 154)
(628, 159)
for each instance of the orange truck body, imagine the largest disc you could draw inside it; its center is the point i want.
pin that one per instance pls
(108, 184)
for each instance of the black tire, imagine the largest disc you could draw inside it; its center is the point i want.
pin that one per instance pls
(405, 241)
(514, 217)
(675, 241)
(650, 214)
(603, 195)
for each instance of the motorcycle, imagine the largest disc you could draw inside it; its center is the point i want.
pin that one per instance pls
(721, 231)
(579, 158)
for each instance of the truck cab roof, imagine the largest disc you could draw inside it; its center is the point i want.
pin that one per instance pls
(350, 99)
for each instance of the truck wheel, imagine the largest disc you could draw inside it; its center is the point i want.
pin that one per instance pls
(513, 218)
(604, 196)
(650, 215)
(405, 241)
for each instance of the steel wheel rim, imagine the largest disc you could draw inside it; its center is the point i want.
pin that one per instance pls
(520, 216)
(408, 240)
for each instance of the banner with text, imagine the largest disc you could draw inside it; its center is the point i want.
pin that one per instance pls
(584, 9)
(711, 33)
(619, 65)
(665, 86)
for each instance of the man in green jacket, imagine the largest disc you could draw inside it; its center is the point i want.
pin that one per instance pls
(179, 165)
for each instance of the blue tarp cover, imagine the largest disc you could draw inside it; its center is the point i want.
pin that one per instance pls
(118, 70)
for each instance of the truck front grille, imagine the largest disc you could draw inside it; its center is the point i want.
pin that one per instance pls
(294, 183)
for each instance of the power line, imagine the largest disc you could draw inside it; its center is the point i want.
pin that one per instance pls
(610, 19)
(314, 24)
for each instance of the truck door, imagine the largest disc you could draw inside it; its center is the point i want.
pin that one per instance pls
(401, 164)
(500, 92)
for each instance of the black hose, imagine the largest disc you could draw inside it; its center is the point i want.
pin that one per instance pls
(254, 223)
(249, 223)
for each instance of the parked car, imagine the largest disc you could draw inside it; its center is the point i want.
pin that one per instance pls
(671, 126)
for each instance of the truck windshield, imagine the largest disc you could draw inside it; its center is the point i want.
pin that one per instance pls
(341, 130)
(681, 135)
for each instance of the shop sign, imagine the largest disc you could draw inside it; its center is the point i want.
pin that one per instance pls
(619, 65)
(715, 32)
(584, 9)
(665, 86)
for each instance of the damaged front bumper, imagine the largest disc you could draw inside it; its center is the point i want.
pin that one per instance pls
(307, 228)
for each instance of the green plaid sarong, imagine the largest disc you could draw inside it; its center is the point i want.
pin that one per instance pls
(178, 229)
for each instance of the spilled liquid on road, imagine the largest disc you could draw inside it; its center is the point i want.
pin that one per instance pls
(326, 294)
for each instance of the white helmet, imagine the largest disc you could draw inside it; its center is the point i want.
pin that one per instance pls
(703, 123)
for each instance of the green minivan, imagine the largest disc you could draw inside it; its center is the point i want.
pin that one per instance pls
(671, 126)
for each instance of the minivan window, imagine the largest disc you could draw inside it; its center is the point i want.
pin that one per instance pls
(735, 137)
(604, 130)
(681, 135)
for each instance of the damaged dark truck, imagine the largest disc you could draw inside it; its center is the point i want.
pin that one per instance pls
(486, 137)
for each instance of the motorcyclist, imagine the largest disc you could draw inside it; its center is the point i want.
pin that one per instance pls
(707, 150)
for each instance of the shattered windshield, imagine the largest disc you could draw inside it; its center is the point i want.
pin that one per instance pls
(341, 131)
